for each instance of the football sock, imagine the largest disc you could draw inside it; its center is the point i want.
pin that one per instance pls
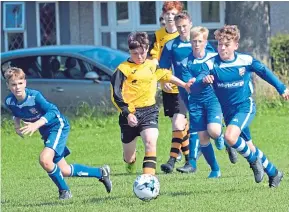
(269, 168)
(244, 150)
(149, 163)
(79, 170)
(194, 146)
(210, 157)
(185, 143)
(176, 143)
(57, 177)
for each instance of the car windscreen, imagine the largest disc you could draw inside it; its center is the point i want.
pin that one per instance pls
(107, 57)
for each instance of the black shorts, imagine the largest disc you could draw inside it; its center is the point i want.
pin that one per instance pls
(147, 117)
(173, 104)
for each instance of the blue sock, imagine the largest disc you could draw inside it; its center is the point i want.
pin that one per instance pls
(269, 168)
(194, 146)
(57, 177)
(78, 170)
(244, 150)
(210, 157)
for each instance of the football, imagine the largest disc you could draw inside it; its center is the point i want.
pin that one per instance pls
(146, 187)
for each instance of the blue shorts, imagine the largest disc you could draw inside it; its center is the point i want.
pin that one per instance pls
(245, 134)
(56, 139)
(204, 113)
(240, 115)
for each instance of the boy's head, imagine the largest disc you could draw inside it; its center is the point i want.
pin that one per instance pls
(138, 44)
(16, 82)
(170, 9)
(199, 37)
(228, 41)
(183, 23)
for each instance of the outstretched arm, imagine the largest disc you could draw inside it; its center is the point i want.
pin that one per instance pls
(266, 74)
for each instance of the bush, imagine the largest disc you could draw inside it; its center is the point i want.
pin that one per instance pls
(279, 50)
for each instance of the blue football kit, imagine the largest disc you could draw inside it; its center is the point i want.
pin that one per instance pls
(56, 128)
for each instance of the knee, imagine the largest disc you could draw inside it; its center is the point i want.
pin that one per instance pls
(150, 146)
(215, 131)
(46, 162)
(230, 137)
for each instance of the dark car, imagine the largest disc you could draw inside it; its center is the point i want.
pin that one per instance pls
(66, 75)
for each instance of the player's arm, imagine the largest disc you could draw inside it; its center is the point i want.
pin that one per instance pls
(167, 76)
(51, 111)
(117, 81)
(166, 58)
(266, 74)
(154, 50)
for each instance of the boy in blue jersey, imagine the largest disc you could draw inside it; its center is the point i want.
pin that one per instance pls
(175, 52)
(230, 74)
(37, 113)
(204, 108)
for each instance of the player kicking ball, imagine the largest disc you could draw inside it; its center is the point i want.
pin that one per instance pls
(37, 113)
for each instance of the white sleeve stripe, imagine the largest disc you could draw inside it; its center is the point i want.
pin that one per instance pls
(44, 119)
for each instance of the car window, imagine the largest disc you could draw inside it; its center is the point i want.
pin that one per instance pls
(29, 65)
(102, 75)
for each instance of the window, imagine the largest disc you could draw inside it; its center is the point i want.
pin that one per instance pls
(114, 20)
(14, 16)
(47, 23)
(210, 11)
(14, 25)
(147, 12)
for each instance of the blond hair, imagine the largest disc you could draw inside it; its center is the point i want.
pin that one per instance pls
(199, 30)
(229, 32)
(14, 73)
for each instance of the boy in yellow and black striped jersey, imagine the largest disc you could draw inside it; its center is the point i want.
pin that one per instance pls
(133, 90)
(174, 106)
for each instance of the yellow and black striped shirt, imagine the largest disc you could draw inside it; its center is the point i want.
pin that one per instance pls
(134, 86)
(161, 37)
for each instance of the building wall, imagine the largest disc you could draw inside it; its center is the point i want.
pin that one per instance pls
(2, 31)
(81, 22)
(252, 19)
(279, 19)
(64, 15)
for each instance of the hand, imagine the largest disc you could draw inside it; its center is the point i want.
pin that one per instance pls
(189, 83)
(208, 79)
(132, 120)
(29, 128)
(168, 87)
(17, 130)
(285, 95)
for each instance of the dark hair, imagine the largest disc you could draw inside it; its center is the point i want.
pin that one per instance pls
(138, 40)
(183, 15)
(161, 18)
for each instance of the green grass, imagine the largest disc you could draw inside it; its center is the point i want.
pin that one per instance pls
(26, 187)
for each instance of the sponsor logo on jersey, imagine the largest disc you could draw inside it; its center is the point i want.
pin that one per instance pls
(231, 84)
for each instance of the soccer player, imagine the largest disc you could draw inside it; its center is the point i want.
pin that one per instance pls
(37, 113)
(134, 85)
(173, 106)
(229, 73)
(175, 52)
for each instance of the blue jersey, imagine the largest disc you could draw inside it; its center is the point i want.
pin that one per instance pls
(34, 107)
(232, 79)
(191, 67)
(174, 53)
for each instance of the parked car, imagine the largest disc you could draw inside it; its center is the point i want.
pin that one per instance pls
(66, 75)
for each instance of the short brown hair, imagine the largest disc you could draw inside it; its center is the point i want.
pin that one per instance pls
(14, 73)
(229, 32)
(183, 15)
(195, 31)
(170, 5)
(138, 40)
